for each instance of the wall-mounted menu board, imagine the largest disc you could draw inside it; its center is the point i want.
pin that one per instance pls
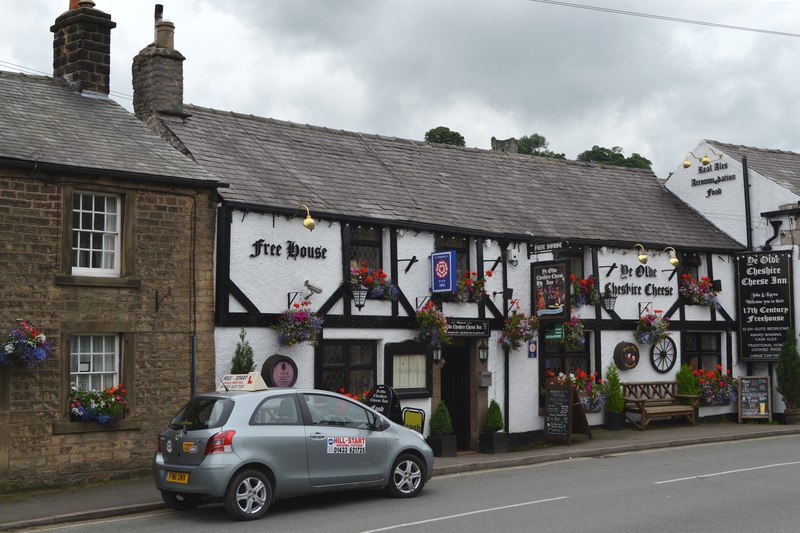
(558, 414)
(755, 398)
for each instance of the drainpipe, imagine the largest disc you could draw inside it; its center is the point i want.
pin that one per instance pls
(749, 224)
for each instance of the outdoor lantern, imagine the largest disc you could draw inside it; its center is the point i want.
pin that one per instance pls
(308, 222)
(360, 296)
(673, 256)
(483, 352)
(437, 353)
(608, 300)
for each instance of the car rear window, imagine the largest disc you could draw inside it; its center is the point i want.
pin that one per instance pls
(202, 413)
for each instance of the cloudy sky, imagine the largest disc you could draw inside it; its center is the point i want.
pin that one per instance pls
(502, 68)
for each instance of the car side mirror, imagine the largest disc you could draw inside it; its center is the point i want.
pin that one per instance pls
(378, 424)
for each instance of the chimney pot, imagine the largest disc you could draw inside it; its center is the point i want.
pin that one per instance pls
(165, 34)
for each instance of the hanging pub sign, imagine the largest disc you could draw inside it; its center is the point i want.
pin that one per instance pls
(443, 271)
(764, 299)
(548, 281)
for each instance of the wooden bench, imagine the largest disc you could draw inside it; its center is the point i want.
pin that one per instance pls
(657, 399)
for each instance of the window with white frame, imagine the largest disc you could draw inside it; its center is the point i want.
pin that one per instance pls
(409, 371)
(95, 234)
(94, 361)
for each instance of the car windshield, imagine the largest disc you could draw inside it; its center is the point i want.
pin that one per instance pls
(202, 413)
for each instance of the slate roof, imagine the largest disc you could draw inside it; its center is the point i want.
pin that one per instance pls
(780, 166)
(271, 163)
(42, 119)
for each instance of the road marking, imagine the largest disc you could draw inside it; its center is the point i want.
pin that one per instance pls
(411, 524)
(726, 472)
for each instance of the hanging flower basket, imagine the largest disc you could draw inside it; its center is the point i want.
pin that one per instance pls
(518, 328)
(652, 328)
(377, 283)
(297, 325)
(573, 334)
(469, 288)
(584, 291)
(104, 406)
(432, 326)
(25, 346)
(700, 292)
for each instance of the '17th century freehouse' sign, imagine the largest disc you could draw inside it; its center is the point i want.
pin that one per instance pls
(764, 300)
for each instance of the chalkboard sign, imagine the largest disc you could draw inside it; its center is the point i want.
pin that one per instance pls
(385, 400)
(755, 398)
(558, 414)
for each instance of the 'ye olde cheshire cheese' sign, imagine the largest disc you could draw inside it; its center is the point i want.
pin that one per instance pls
(764, 295)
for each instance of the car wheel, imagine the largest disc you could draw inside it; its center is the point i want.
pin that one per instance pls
(407, 477)
(179, 500)
(248, 496)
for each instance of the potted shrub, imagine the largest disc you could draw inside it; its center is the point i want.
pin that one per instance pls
(614, 417)
(788, 377)
(442, 440)
(492, 440)
(242, 362)
(688, 389)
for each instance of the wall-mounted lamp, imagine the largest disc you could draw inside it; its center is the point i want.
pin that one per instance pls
(507, 293)
(308, 222)
(642, 256)
(608, 300)
(673, 256)
(705, 160)
(437, 353)
(359, 296)
(483, 352)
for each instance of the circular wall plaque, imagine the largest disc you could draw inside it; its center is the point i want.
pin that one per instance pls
(626, 355)
(279, 371)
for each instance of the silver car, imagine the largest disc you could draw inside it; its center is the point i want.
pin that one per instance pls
(250, 448)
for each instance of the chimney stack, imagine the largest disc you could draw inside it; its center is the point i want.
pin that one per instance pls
(508, 145)
(82, 47)
(158, 74)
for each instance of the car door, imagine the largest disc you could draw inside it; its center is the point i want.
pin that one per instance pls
(341, 446)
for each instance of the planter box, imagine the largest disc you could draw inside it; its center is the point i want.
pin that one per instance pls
(493, 442)
(614, 421)
(443, 445)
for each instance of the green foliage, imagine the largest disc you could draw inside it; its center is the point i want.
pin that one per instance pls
(242, 362)
(612, 388)
(687, 384)
(613, 156)
(444, 135)
(440, 420)
(494, 419)
(536, 145)
(788, 371)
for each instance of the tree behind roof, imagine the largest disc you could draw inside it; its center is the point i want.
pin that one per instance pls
(443, 135)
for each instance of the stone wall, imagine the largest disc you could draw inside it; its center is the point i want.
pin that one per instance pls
(172, 247)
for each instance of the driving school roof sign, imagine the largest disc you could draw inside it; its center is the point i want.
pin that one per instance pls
(443, 271)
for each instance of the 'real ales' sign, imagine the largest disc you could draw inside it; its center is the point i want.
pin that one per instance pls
(764, 300)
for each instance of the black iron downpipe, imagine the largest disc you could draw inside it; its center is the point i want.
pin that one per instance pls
(749, 227)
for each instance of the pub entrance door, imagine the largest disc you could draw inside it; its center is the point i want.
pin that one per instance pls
(456, 390)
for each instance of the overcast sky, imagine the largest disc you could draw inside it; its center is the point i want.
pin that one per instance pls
(502, 68)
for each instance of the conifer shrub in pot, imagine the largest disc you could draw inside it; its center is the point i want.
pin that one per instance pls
(614, 417)
(688, 388)
(787, 373)
(492, 439)
(442, 440)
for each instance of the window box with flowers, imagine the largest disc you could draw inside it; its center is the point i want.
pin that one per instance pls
(588, 387)
(25, 346)
(700, 292)
(470, 288)
(104, 406)
(358, 396)
(573, 334)
(715, 386)
(584, 291)
(377, 282)
(297, 325)
(518, 328)
(432, 326)
(651, 328)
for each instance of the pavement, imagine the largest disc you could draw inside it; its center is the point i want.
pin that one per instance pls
(26, 510)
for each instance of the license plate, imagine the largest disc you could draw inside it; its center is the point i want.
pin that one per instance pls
(178, 477)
